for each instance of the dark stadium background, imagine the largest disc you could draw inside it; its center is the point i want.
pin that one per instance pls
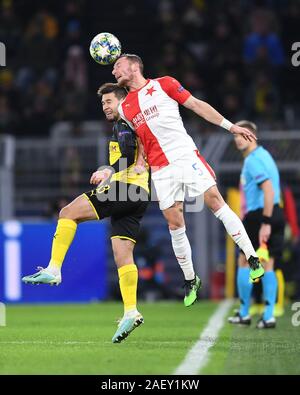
(53, 133)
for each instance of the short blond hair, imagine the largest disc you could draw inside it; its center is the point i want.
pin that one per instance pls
(133, 58)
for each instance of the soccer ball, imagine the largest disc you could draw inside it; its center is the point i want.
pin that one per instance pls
(105, 48)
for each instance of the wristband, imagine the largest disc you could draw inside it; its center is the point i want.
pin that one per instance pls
(226, 124)
(266, 220)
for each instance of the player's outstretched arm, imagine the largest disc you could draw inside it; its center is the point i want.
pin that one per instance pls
(211, 115)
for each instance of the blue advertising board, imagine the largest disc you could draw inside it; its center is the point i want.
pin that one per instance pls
(24, 246)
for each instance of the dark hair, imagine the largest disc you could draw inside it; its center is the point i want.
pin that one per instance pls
(134, 59)
(248, 125)
(110, 87)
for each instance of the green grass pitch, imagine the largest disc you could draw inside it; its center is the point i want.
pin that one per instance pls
(76, 339)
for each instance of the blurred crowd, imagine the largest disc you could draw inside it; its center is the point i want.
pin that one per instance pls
(236, 54)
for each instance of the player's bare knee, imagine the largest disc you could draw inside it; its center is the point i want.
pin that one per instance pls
(123, 252)
(117, 257)
(123, 261)
(216, 203)
(174, 216)
(123, 258)
(213, 199)
(116, 253)
(176, 222)
(66, 213)
(175, 226)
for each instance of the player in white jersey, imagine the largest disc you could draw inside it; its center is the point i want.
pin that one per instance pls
(151, 108)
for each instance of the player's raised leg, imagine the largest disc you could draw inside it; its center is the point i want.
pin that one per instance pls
(79, 210)
(234, 228)
(128, 280)
(182, 250)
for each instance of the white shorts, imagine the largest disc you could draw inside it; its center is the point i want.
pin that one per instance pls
(191, 175)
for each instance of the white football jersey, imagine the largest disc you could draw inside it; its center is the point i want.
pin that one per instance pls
(153, 112)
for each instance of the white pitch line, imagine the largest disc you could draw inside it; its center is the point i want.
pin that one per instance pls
(197, 357)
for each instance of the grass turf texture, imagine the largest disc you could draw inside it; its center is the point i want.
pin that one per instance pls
(76, 339)
(247, 350)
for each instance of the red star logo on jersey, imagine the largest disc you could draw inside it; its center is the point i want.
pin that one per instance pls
(150, 91)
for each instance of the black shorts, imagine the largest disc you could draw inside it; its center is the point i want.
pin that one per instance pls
(125, 204)
(252, 223)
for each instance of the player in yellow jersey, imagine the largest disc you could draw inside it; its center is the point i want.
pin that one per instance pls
(122, 194)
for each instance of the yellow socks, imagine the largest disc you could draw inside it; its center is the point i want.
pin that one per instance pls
(128, 278)
(62, 239)
(279, 307)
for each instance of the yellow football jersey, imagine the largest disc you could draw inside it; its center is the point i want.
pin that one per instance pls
(123, 152)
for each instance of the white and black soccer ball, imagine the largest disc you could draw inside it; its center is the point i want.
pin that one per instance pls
(105, 48)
